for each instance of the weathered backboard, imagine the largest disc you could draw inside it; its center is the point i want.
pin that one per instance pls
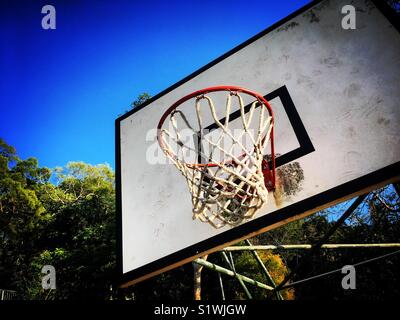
(335, 93)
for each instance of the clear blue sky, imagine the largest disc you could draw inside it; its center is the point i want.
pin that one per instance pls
(61, 90)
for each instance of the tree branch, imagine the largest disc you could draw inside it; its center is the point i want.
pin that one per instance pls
(387, 206)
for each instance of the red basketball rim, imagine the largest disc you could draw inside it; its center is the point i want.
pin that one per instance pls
(197, 93)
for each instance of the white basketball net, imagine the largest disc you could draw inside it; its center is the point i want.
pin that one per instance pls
(232, 189)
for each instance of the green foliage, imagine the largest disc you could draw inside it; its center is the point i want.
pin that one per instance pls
(83, 230)
(22, 214)
(65, 218)
(142, 98)
(246, 264)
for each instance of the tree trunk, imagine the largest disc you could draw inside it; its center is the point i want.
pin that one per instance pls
(197, 279)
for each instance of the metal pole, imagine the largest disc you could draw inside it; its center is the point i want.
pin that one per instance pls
(264, 269)
(337, 270)
(221, 285)
(230, 273)
(310, 246)
(320, 242)
(231, 264)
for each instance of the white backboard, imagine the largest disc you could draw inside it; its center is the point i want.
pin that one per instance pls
(335, 94)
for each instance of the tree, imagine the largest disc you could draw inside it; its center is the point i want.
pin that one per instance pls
(142, 98)
(81, 238)
(22, 214)
(62, 217)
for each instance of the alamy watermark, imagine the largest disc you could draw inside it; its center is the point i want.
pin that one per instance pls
(349, 280)
(349, 20)
(49, 280)
(49, 20)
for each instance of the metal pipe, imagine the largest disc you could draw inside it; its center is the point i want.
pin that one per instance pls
(337, 270)
(315, 248)
(232, 266)
(310, 246)
(264, 269)
(221, 284)
(230, 273)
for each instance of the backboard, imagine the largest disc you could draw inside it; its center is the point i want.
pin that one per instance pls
(335, 93)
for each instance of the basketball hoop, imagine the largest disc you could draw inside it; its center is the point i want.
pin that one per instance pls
(225, 188)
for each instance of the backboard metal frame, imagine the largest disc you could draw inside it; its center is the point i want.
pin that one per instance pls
(264, 223)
